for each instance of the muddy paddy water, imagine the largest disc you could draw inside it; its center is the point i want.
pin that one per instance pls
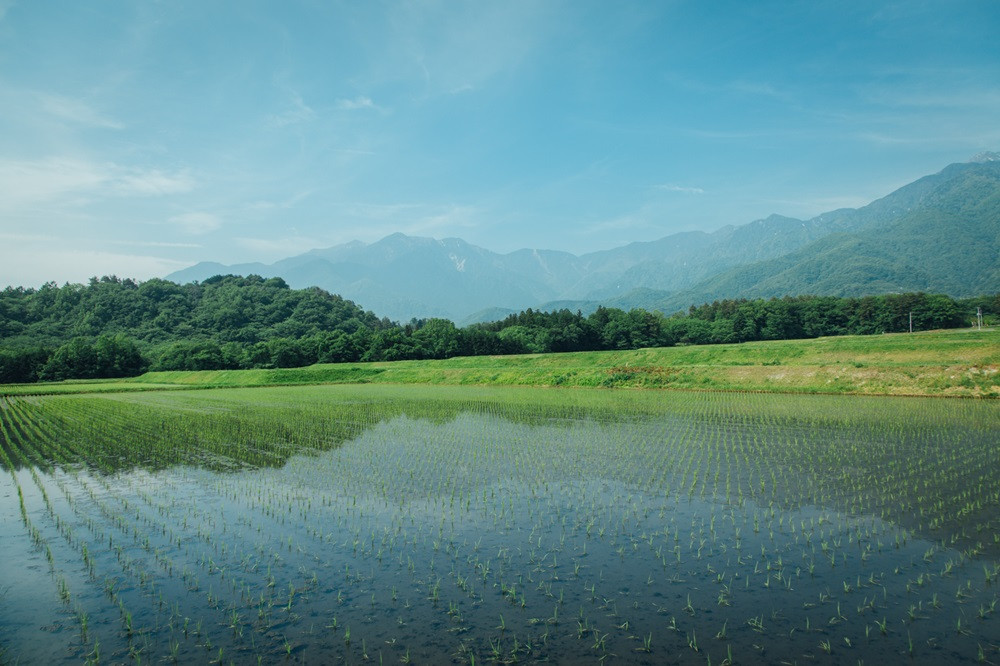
(464, 525)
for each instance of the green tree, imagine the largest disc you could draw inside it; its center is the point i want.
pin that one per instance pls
(437, 338)
(74, 360)
(286, 353)
(22, 365)
(117, 356)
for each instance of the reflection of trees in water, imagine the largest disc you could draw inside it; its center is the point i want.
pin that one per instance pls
(925, 464)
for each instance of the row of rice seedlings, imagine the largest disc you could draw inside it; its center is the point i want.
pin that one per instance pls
(88, 647)
(904, 537)
(203, 543)
(437, 499)
(129, 563)
(71, 537)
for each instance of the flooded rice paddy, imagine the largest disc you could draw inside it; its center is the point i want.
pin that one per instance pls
(465, 525)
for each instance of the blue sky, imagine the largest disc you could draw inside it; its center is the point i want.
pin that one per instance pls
(139, 137)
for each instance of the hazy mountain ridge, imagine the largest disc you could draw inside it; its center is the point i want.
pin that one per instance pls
(940, 233)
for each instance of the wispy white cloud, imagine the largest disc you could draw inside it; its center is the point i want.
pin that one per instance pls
(53, 179)
(754, 88)
(299, 112)
(196, 223)
(75, 111)
(285, 204)
(150, 182)
(759, 89)
(668, 187)
(747, 87)
(359, 102)
(355, 151)
(28, 181)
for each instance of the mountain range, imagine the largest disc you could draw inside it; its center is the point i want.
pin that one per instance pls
(940, 234)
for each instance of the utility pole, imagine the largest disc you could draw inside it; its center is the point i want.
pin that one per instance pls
(911, 321)
(979, 317)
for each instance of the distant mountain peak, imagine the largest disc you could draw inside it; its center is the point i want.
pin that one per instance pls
(985, 156)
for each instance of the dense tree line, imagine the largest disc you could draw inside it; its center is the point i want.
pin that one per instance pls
(731, 321)
(117, 328)
(815, 316)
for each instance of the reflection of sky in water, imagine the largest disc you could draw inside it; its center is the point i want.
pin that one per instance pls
(421, 535)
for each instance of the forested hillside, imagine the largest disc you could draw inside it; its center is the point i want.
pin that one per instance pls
(223, 308)
(941, 233)
(114, 327)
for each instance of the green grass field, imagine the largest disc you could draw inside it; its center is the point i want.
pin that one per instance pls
(937, 363)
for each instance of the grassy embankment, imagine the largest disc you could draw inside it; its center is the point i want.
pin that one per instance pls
(936, 363)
